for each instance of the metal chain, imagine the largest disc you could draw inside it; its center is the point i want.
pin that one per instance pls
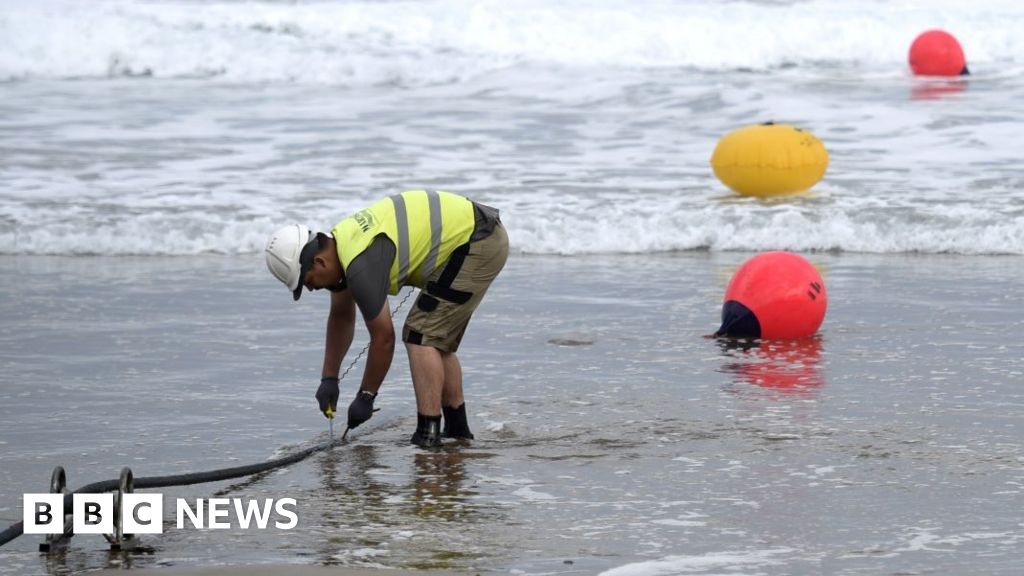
(367, 347)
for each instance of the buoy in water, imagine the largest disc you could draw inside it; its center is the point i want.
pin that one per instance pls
(769, 160)
(774, 295)
(937, 53)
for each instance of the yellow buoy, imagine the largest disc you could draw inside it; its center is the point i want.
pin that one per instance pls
(769, 159)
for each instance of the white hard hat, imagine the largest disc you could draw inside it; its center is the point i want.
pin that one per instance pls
(285, 256)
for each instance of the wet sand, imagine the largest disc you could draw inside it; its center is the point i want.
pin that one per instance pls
(611, 436)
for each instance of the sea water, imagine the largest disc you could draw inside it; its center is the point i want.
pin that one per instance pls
(195, 127)
(147, 149)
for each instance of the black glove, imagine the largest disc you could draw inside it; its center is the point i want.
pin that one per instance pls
(327, 396)
(361, 408)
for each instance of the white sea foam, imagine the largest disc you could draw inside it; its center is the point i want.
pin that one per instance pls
(680, 523)
(369, 42)
(528, 493)
(598, 227)
(589, 123)
(733, 562)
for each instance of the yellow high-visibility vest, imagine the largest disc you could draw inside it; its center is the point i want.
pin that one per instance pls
(426, 226)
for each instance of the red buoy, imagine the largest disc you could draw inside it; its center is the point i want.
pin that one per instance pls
(937, 53)
(774, 295)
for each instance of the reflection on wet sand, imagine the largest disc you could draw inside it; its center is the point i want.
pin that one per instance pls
(353, 498)
(933, 89)
(406, 504)
(438, 485)
(77, 559)
(791, 366)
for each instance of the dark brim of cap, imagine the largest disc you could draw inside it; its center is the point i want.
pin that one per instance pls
(305, 264)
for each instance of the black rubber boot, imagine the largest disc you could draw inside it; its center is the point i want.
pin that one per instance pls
(455, 424)
(428, 431)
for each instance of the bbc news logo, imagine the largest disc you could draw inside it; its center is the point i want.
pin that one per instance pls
(144, 513)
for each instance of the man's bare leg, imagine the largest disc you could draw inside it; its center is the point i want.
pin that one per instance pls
(451, 396)
(428, 379)
(452, 401)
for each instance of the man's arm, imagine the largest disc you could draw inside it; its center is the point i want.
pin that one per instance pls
(340, 326)
(368, 278)
(382, 349)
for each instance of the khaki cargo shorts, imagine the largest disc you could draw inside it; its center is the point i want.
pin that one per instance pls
(443, 309)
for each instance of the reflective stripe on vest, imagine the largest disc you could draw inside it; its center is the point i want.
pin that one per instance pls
(402, 242)
(425, 226)
(434, 203)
